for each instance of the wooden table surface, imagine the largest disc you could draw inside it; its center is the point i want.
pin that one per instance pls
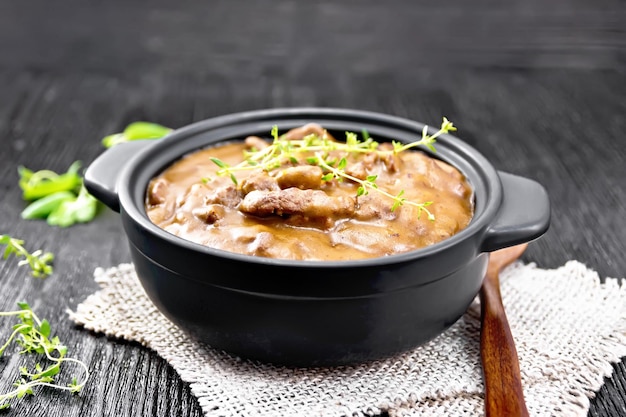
(538, 87)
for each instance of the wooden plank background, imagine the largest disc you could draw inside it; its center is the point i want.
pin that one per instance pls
(538, 87)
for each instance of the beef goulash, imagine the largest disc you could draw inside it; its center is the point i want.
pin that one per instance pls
(304, 195)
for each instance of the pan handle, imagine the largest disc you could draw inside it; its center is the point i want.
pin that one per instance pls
(524, 213)
(102, 174)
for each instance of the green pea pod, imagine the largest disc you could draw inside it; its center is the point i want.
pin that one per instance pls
(80, 209)
(42, 207)
(112, 140)
(136, 131)
(39, 184)
(63, 215)
(145, 130)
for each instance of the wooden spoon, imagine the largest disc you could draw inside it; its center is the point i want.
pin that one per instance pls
(503, 385)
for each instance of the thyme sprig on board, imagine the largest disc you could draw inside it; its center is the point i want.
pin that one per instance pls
(40, 262)
(317, 148)
(34, 336)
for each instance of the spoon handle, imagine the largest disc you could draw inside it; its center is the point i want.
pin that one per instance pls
(501, 373)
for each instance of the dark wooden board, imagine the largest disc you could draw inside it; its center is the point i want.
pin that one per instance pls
(539, 88)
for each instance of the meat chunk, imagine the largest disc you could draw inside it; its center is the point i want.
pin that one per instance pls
(262, 244)
(255, 142)
(308, 129)
(367, 165)
(309, 203)
(209, 214)
(259, 180)
(391, 160)
(227, 196)
(357, 170)
(158, 191)
(301, 176)
(374, 207)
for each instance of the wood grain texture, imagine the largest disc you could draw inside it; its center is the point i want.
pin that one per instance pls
(538, 88)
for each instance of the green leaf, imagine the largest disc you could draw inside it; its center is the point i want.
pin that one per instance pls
(447, 125)
(23, 328)
(61, 349)
(23, 305)
(398, 200)
(23, 389)
(219, 163)
(44, 328)
(75, 387)
(431, 147)
(351, 139)
(51, 371)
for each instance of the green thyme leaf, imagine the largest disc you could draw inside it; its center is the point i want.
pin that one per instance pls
(219, 163)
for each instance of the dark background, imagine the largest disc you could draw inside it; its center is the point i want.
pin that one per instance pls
(538, 86)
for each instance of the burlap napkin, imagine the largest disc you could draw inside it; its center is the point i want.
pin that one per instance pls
(568, 327)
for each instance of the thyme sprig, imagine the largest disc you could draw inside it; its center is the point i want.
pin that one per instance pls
(33, 335)
(38, 261)
(284, 151)
(369, 183)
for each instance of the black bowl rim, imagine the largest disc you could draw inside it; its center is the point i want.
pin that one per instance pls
(476, 227)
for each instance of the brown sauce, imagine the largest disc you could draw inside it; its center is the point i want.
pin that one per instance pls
(291, 212)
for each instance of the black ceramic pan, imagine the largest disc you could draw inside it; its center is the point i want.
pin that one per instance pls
(308, 313)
